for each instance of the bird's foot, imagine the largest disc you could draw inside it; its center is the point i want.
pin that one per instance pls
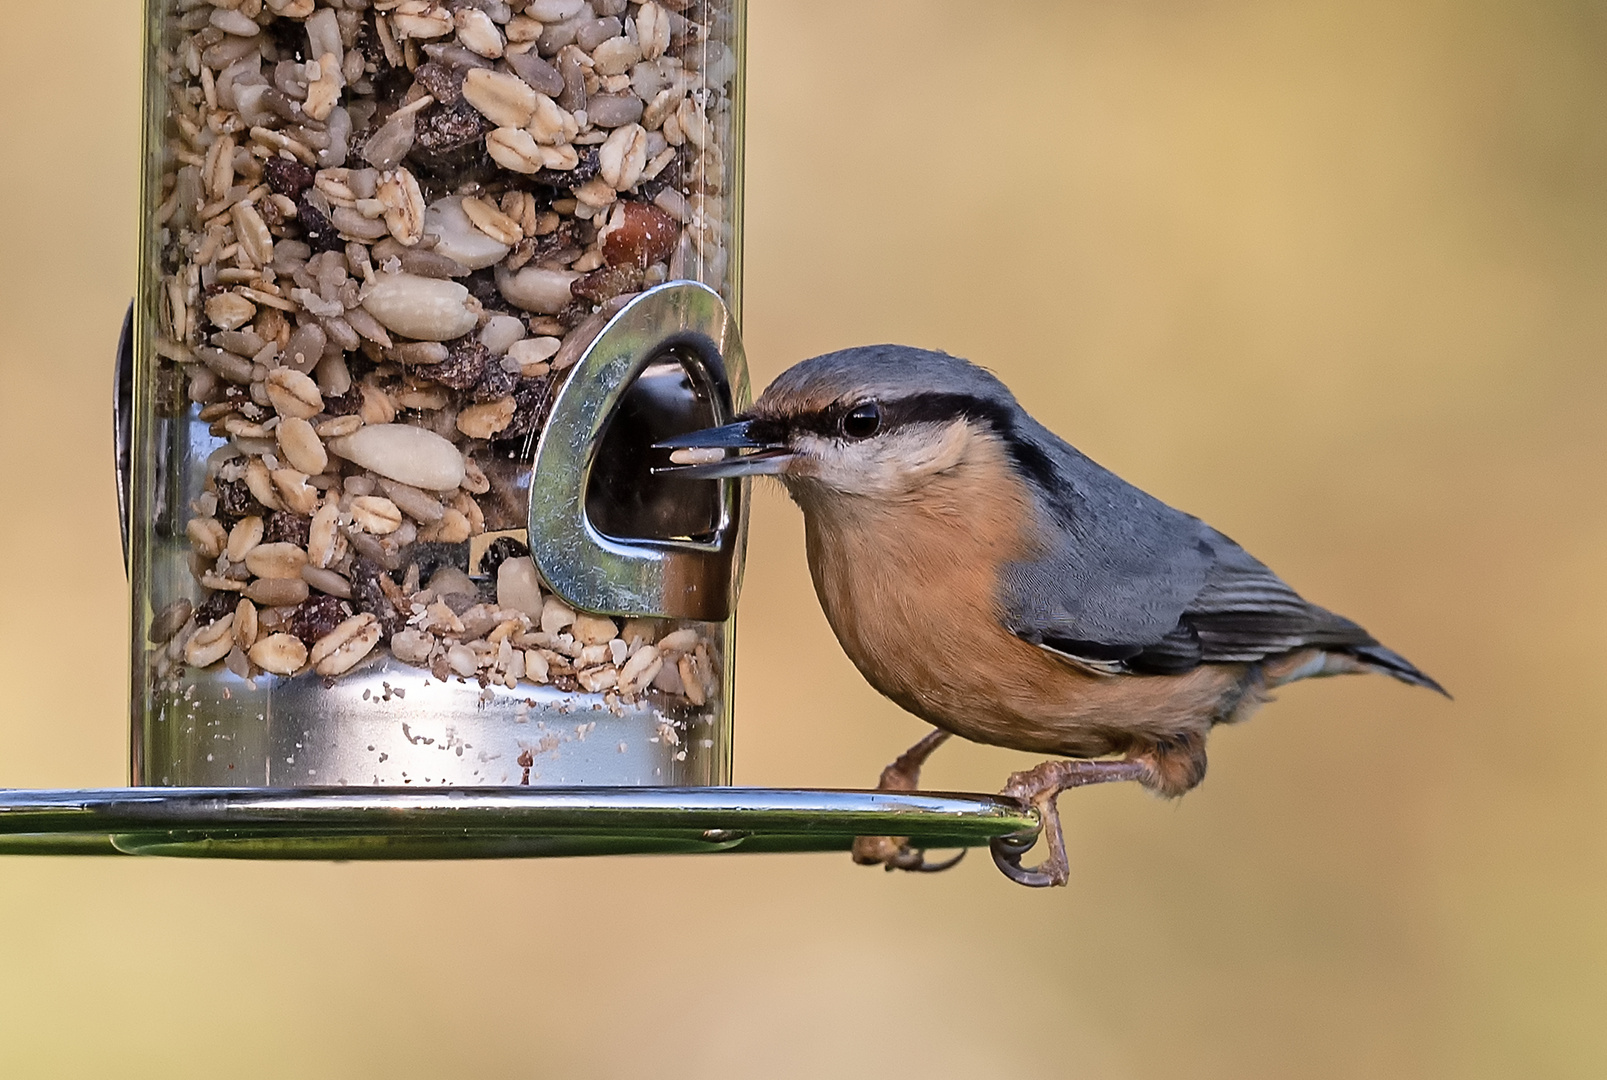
(1040, 786)
(895, 852)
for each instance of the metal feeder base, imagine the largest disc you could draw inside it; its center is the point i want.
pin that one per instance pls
(487, 823)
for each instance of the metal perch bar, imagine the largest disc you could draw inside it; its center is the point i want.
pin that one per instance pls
(411, 823)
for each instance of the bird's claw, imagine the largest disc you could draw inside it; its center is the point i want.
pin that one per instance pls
(1007, 852)
(895, 853)
(1040, 787)
(921, 866)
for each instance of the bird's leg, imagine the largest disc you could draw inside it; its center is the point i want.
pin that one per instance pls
(904, 774)
(894, 852)
(1040, 787)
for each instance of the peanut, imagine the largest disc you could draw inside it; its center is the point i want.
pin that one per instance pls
(207, 536)
(485, 420)
(246, 534)
(338, 651)
(211, 643)
(279, 654)
(245, 623)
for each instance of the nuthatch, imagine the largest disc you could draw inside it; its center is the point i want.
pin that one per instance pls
(990, 579)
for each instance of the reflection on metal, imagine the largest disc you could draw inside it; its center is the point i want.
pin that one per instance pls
(402, 823)
(615, 539)
(387, 723)
(123, 421)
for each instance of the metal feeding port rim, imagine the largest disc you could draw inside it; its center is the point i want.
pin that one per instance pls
(609, 574)
(490, 823)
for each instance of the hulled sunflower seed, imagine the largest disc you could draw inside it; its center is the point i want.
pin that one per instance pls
(326, 581)
(277, 592)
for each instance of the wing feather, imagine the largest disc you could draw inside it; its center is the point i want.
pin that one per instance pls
(1132, 585)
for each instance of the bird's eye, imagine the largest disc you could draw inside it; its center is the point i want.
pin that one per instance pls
(862, 421)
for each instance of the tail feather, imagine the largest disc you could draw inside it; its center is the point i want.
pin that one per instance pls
(1395, 665)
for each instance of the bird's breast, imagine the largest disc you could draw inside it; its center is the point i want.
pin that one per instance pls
(910, 588)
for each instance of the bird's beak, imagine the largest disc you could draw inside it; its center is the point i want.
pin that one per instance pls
(704, 455)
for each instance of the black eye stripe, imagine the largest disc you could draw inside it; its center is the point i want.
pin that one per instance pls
(933, 408)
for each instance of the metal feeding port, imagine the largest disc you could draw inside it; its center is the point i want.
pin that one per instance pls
(623, 540)
(675, 393)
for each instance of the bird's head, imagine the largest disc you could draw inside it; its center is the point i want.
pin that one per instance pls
(877, 421)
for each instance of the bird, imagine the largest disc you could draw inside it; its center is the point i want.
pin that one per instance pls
(992, 580)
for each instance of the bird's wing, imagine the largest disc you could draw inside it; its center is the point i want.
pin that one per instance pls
(1132, 585)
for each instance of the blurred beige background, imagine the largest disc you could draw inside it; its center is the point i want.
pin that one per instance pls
(1329, 274)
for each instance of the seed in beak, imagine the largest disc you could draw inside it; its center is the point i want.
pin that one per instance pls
(697, 455)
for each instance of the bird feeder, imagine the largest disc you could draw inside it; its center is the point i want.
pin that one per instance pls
(422, 285)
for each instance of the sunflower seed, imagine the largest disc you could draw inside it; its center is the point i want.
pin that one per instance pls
(277, 592)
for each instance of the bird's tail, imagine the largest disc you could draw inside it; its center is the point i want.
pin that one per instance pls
(1393, 664)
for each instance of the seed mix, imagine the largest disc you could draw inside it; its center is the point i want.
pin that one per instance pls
(387, 227)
